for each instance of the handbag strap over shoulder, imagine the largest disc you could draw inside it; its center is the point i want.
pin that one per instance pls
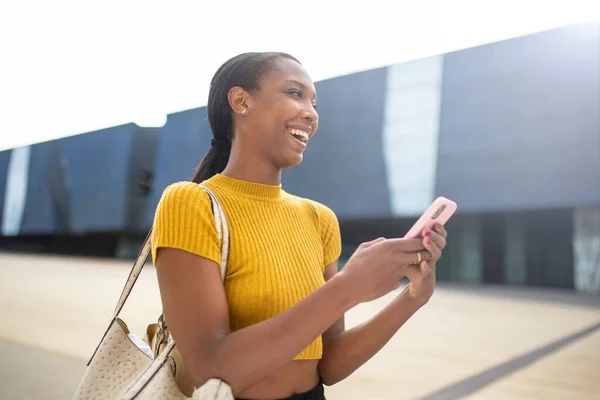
(223, 234)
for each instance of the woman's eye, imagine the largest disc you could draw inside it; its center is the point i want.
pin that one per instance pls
(296, 93)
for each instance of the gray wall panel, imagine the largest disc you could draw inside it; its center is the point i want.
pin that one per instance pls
(520, 122)
(97, 168)
(43, 214)
(181, 145)
(89, 183)
(140, 175)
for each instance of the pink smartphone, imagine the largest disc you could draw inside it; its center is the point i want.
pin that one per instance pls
(439, 211)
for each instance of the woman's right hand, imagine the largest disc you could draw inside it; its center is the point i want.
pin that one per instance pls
(376, 267)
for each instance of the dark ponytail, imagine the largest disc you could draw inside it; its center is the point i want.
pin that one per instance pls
(245, 70)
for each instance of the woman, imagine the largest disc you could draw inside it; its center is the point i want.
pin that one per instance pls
(275, 328)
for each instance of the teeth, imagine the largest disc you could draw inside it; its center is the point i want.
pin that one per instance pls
(300, 134)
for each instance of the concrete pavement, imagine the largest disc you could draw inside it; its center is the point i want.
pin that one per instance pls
(474, 342)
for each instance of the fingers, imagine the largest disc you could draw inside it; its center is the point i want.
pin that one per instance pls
(366, 245)
(427, 268)
(420, 256)
(405, 245)
(432, 249)
(411, 271)
(410, 261)
(440, 230)
(407, 251)
(437, 238)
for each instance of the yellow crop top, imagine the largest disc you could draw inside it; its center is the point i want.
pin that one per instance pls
(280, 244)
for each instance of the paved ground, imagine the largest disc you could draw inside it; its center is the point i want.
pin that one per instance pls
(469, 342)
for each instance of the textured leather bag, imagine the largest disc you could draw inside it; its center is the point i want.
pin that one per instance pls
(120, 369)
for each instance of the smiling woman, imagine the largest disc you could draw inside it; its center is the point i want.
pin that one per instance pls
(263, 113)
(275, 328)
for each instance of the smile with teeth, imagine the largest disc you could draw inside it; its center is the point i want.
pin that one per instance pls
(299, 135)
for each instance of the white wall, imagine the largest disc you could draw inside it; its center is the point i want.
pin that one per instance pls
(16, 190)
(410, 133)
(586, 246)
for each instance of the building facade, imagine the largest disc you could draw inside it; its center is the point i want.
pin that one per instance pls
(509, 130)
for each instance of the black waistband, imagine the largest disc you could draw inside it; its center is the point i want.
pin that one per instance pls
(316, 393)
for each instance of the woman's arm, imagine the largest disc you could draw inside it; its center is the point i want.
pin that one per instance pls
(345, 351)
(196, 311)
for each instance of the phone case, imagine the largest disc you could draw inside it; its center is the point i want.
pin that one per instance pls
(439, 211)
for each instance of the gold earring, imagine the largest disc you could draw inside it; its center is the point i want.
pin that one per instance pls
(244, 111)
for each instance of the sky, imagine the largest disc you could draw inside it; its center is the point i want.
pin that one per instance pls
(75, 66)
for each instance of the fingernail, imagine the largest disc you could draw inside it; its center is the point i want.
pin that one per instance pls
(425, 265)
(427, 233)
(438, 226)
(428, 242)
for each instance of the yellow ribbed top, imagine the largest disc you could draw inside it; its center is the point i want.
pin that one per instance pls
(279, 244)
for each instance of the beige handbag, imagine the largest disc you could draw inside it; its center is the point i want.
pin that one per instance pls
(120, 369)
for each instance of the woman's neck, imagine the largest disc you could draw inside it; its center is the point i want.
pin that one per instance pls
(252, 170)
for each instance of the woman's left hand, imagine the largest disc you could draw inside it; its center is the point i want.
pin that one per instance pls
(422, 277)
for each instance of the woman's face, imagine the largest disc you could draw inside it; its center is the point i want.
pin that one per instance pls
(282, 114)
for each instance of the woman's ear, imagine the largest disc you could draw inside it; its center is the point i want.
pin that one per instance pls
(238, 100)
